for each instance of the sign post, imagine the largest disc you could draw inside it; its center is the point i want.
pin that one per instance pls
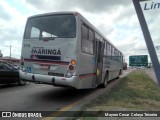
(148, 38)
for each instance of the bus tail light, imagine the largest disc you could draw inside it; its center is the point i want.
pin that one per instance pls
(73, 62)
(71, 67)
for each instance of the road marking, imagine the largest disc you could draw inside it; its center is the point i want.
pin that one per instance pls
(58, 113)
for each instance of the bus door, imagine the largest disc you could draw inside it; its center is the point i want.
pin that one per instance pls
(99, 60)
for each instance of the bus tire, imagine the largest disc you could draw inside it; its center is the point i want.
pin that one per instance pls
(120, 73)
(105, 81)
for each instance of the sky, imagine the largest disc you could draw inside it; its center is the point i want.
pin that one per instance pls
(115, 19)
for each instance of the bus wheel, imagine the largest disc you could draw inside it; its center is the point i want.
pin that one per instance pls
(104, 84)
(120, 72)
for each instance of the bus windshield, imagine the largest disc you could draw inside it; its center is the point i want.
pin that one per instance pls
(50, 27)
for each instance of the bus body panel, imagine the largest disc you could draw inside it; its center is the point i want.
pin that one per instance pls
(31, 54)
(49, 61)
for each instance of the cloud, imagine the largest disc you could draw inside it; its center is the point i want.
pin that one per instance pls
(12, 24)
(3, 14)
(115, 19)
(92, 6)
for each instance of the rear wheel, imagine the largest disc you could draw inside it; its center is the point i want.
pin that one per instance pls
(120, 72)
(21, 82)
(105, 81)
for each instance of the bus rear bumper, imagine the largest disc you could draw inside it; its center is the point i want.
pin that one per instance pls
(46, 79)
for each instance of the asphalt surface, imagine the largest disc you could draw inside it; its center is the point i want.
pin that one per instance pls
(40, 97)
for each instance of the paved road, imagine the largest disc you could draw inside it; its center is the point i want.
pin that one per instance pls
(40, 97)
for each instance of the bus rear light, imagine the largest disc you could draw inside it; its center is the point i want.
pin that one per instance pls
(71, 67)
(68, 74)
(73, 62)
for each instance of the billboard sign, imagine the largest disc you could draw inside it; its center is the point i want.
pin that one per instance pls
(138, 60)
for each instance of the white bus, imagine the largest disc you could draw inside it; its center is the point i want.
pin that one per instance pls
(64, 49)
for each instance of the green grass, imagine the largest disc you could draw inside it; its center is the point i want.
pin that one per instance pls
(136, 91)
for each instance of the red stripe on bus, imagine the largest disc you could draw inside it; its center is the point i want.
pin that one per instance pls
(87, 75)
(47, 62)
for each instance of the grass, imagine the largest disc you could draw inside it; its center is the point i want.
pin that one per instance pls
(137, 91)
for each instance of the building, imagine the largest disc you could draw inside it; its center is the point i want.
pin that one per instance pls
(8, 59)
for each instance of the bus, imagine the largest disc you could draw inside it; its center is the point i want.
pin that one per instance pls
(124, 66)
(65, 49)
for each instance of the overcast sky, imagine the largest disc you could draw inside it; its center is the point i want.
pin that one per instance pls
(116, 19)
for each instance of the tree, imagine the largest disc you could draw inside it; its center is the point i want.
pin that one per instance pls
(1, 55)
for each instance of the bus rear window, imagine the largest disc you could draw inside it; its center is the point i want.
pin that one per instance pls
(59, 26)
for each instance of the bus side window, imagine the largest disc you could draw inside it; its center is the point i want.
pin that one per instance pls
(87, 40)
(111, 52)
(105, 49)
(121, 57)
(116, 54)
(108, 50)
(91, 35)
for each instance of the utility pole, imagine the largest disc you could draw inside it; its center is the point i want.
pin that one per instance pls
(10, 52)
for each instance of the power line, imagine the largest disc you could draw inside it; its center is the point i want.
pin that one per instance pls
(10, 49)
(156, 47)
(10, 45)
(134, 50)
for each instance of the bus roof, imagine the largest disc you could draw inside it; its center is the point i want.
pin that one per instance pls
(54, 13)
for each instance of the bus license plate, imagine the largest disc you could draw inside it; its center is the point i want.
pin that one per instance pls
(42, 66)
